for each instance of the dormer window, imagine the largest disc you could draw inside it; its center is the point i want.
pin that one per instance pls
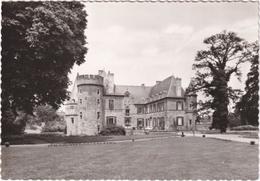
(127, 94)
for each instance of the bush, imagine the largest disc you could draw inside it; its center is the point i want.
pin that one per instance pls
(55, 128)
(13, 125)
(234, 120)
(113, 130)
(244, 127)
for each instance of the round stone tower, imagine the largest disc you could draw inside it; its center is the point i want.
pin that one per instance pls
(90, 105)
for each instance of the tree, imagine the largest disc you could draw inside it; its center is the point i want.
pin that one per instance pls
(214, 66)
(41, 41)
(48, 118)
(45, 114)
(248, 105)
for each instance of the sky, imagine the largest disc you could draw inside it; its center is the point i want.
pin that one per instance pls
(146, 42)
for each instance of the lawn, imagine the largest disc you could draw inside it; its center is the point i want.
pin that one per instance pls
(171, 158)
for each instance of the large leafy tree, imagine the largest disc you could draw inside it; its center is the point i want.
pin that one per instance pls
(41, 41)
(214, 67)
(248, 105)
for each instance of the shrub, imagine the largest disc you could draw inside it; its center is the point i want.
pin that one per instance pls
(244, 127)
(13, 125)
(234, 120)
(113, 130)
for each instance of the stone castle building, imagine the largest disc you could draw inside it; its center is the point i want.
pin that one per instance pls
(96, 102)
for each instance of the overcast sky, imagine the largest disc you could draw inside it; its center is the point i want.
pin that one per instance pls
(145, 42)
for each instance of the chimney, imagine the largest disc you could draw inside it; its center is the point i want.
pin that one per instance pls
(101, 72)
(158, 82)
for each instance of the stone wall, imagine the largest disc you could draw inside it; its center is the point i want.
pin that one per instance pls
(90, 104)
(117, 111)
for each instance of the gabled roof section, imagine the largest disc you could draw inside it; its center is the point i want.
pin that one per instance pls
(169, 87)
(161, 88)
(138, 93)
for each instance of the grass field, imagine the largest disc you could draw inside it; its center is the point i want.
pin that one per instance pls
(171, 158)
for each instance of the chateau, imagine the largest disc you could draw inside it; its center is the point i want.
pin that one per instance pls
(96, 102)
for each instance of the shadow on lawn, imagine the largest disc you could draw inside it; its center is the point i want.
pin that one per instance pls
(50, 138)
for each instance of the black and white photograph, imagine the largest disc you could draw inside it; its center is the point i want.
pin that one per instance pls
(129, 90)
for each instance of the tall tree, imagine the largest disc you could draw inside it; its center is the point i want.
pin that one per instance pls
(41, 41)
(214, 66)
(248, 105)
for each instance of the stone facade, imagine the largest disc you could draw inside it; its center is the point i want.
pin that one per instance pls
(96, 102)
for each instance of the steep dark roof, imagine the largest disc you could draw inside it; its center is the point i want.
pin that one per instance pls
(141, 94)
(162, 87)
(166, 88)
(138, 93)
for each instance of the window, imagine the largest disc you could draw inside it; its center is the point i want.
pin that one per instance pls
(162, 106)
(72, 120)
(127, 112)
(80, 101)
(190, 121)
(179, 105)
(140, 123)
(145, 109)
(111, 120)
(111, 104)
(80, 115)
(139, 110)
(98, 101)
(154, 122)
(154, 108)
(86, 98)
(127, 121)
(180, 121)
(98, 115)
(98, 92)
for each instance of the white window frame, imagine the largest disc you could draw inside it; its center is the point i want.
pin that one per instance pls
(180, 121)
